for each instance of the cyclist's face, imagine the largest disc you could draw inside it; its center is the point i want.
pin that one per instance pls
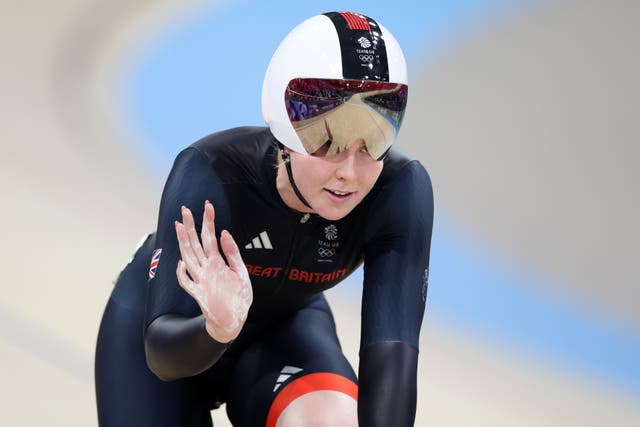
(333, 184)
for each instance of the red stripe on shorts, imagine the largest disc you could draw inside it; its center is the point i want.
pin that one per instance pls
(307, 384)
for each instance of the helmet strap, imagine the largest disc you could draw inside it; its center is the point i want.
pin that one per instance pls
(286, 158)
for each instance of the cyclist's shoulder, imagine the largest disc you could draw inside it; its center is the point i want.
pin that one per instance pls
(242, 142)
(401, 170)
(236, 154)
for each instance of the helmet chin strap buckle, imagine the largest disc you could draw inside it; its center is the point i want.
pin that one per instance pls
(286, 158)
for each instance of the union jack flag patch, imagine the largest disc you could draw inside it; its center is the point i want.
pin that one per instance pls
(155, 259)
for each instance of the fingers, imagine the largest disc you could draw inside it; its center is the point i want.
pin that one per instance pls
(183, 279)
(186, 251)
(232, 253)
(187, 219)
(209, 241)
(190, 287)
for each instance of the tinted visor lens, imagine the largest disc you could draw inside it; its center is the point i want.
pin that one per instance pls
(340, 112)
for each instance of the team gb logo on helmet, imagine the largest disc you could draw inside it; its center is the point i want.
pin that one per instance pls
(364, 42)
(366, 51)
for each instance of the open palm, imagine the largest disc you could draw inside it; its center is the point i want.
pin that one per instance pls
(221, 289)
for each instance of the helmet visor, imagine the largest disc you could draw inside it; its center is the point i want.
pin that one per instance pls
(340, 112)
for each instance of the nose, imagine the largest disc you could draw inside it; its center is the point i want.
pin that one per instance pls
(346, 168)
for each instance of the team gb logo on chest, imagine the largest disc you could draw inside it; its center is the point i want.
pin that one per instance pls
(331, 232)
(328, 246)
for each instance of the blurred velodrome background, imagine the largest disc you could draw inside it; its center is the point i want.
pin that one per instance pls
(525, 113)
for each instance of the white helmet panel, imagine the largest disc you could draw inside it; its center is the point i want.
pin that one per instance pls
(335, 45)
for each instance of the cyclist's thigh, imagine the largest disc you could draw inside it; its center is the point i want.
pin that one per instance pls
(302, 354)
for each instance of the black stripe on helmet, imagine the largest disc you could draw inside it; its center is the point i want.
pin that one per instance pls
(364, 55)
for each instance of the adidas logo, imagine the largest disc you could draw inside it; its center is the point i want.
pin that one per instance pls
(261, 241)
(285, 374)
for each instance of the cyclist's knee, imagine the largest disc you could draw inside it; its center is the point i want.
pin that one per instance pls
(323, 408)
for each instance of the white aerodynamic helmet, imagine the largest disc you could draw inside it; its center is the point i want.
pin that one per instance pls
(336, 78)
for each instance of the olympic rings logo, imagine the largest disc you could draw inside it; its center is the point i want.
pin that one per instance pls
(326, 252)
(366, 58)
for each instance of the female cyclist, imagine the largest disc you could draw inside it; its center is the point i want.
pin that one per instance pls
(225, 304)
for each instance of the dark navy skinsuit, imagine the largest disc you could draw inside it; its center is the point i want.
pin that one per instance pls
(291, 258)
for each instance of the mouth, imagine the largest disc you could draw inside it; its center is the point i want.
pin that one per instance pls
(339, 196)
